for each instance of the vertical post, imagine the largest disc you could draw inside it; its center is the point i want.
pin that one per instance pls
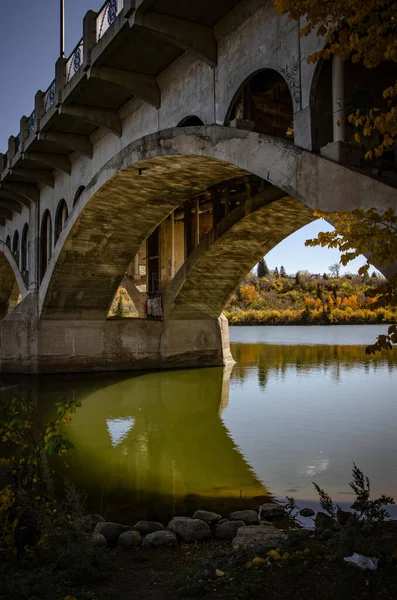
(172, 244)
(49, 240)
(136, 266)
(89, 37)
(197, 221)
(23, 132)
(62, 29)
(60, 79)
(11, 149)
(38, 109)
(187, 220)
(338, 98)
(33, 246)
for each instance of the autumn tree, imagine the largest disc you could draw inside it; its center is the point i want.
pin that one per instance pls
(373, 234)
(361, 31)
(334, 269)
(262, 269)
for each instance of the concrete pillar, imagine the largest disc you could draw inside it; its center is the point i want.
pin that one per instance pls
(338, 98)
(60, 79)
(11, 149)
(1, 162)
(33, 246)
(89, 37)
(136, 267)
(197, 221)
(23, 132)
(172, 244)
(38, 109)
(187, 219)
(49, 240)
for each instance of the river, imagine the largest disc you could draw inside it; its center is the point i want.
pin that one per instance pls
(299, 406)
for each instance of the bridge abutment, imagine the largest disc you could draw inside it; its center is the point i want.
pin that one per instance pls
(31, 345)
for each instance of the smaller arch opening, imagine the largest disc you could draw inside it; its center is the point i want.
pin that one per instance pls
(45, 243)
(77, 195)
(8, 242)
(15, 246)
(263, 104)
(191, 121)
(60, 218)
(25, 251)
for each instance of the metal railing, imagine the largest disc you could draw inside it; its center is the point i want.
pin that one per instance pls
(49, 97)
(31, 124)
(74, 61)
(106, 16)
(17, 143)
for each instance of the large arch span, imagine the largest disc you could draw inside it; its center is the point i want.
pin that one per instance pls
(11, 282)
(136, 190)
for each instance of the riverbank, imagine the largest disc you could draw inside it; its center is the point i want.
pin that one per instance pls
(238, 316)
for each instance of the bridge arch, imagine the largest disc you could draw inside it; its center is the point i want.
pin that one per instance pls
(191, 121)
(25, 250)
(45, 242)
(140, 186)
(11, 282)
(263, 103)
(61, 216)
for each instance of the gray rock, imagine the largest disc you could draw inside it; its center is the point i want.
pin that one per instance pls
(271, 510)
(111, 531)
(88, 523)
(228, 530)
(129, 539)
(98, 540)
(259, 538)
(250, 517)
(222, 521)
(327, 534)
(307, 512)
(145, 527)
(206, 516)
(343, 516)
(157, 539)
(323, 522)
(189, 530)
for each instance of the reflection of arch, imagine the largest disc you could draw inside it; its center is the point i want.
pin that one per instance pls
(90, 263)
(11, 282)
(25, 249)
(77, 195)
(191, 121)
(60, 218)
(45, 242)
(15, 246)
(263, 104)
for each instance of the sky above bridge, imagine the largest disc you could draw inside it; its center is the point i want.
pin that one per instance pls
(29, 47)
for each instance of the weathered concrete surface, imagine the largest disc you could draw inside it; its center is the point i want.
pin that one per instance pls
(133, 193)
(30, 345)
(11, 282)
(204, 283)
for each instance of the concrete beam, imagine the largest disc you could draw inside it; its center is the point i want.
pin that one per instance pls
(9, 195)
(71, 141)
(192, 37)
(38, 175)
(55, 161)
(142, 86)
(100, 117)
(12, 205)
(26, 190)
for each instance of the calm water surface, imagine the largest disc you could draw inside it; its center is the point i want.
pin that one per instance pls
(299, 406)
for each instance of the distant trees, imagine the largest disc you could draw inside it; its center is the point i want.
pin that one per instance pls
(334, 269)
(283, 272)
(262, 269)
(298, 280)
(276, 273)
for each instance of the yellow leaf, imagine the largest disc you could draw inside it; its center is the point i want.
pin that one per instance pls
(274, 555)
(219, 573)
(258, 560)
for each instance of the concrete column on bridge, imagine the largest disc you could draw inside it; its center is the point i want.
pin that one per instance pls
(172, 221)
(60, 79)
(197, 221)
(38, 109)
(11, 149)
(33, 247)
(89, 37)
(338, 98)
(23, 132)
(187, 219)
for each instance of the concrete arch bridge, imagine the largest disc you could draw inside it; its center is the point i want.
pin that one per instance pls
(171, 166)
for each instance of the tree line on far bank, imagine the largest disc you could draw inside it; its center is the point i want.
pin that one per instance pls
(273, 297)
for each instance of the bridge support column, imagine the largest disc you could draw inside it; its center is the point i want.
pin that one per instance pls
(31, 345)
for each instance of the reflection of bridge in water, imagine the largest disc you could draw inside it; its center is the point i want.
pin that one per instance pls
(155, 440)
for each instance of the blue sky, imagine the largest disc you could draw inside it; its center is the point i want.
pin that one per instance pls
(29, 47)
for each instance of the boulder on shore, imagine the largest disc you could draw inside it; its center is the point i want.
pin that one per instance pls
(228, 530)
(189, 530)
(98, 540)
(323, 522)
(111, 531)
(145, 527)
(160, 539)
(88, 523)
(207, 516)
(249, 516)
(259, 538)
(271, 510)
(129, 539)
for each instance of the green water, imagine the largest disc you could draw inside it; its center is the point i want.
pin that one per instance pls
(292, 410)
